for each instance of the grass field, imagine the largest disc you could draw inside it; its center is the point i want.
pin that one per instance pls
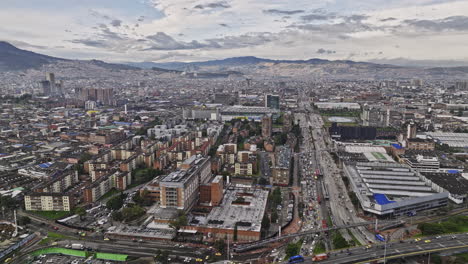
(356, 242)
(51, 215)
(454, 224)
(51, 237)
(319, 248)
(109, 194)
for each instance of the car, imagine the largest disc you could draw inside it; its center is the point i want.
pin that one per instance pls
(454, 237)
(417, 239)
(438, 237)
(368, 246)
(218, 254)
(427, 241)
(199, 260)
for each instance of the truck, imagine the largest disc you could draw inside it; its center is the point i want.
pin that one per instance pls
(77, 246)
(320, 257)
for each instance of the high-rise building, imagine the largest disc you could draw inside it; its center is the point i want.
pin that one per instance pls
(180, 189)
(461, 85)
(375, 116)
(50, 77)
(45, 85)
(272, 101)
(266, 126)
(90, 105)
(411, 131)
(105, 95)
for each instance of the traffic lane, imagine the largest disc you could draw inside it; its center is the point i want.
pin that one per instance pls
(345, 258)
(392, 249)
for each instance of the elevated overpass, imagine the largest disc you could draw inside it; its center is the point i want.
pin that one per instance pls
(260, 243)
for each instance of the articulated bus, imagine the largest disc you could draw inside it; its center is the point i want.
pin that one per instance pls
(379, 237)
(296, 259)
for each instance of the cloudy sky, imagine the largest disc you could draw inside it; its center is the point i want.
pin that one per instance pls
(192, 30)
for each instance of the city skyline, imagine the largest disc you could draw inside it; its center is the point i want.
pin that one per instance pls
(185, 30)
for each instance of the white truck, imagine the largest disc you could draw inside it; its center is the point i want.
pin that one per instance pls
(77, 246)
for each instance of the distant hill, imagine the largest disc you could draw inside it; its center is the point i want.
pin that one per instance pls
(12, 58)
(312, 68)
(229, 62)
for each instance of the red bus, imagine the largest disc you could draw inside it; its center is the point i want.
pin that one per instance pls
(324, 224)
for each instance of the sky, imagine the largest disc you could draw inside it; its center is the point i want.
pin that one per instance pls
(197, 30)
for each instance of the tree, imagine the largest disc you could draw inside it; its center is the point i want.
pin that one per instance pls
(292, 249)
(281, 139)
(24, 220)
(180, 221)
(431, 228)
(274, 217)
(81, 212)
(116, 202)
(85, 156)
(146, 175)
(339, 241)
(220, 245)
(132, 212)
(162, 256)
(276, 197)
(266, 222)
(263, 181)
(8, 202)
(117, 216)
(235, 232)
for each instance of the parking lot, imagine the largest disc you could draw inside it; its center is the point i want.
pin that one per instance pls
(97, 218)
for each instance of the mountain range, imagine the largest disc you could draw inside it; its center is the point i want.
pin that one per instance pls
(14, 59)
(231, 62)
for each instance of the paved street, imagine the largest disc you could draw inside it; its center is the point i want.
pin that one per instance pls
(397, 249)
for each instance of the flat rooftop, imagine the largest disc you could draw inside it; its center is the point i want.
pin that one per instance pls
(455, 140)
(248, 109)
(248, 213)
(454, 183)
(391, 179)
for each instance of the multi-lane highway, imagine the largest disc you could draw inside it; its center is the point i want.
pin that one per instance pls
(338, 207)
(377, 252)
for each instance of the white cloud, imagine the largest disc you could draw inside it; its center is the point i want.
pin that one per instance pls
(196, 29)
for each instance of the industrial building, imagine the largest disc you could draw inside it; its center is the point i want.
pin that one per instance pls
(352, 132)
(390, 189)
(243, 207)
(454, 140)
(337, 106)
(452, 182)
(254, 113)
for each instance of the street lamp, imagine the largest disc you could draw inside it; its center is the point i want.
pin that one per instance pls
(385, 251)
